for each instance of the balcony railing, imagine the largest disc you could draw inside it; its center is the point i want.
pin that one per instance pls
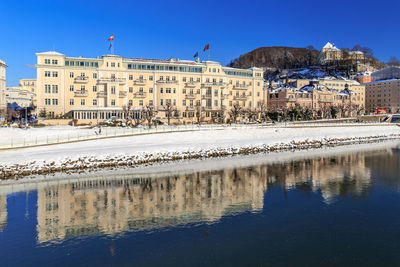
(139, 94)
(191, 84)
(140, 81)
(240, 97)
(167, 81)
(190, 108)
(81, 93)
(101, 94)
(81, 79)
(211, 84)
(123, 94)
(240, 87)
(206, 96)
(190, 96)
(111, 80)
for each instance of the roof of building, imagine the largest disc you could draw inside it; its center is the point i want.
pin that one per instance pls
(330, 46)
(50, 53)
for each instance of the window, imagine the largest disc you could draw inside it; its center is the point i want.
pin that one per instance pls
(83, 88)
(150, 102)
(150, 90)
(71, 75)
(150, 78)
(71, 102)
(47, 74)
(184, 102)
(94, 102)
(71, 88)
(130, 89)
(94, 88)
(47, 101)
(55, 74)
(113, 90)
(161, 102)
(130, 77)
(130, 102)
(55, 101)
(184, 79)
(161, 90)
(46, 61)
(168, 90)
(54, 89)
(112, 65)
(215, 102)
(94, 75)
(140, 102)
(112, 102)
(82, 102)
(184, 91)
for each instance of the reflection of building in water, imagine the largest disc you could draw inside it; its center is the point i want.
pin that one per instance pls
(3, 212)
(113, 205)
(331, 175)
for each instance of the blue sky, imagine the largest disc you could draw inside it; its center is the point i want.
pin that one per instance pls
(164, 29)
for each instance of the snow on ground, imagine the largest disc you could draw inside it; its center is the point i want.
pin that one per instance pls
(188, 141)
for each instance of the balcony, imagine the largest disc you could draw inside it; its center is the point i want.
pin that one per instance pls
(190, 108)
(167, 82)
(140, 82)
(123, 94)
(240, 87)
(111, 80)
(140, 94)
(223, 107)
(101, 94)
(240, 97)
(81, 93)
(214, 84)
(206, 96)
(81, 79)
(191, 84)
(190, 96)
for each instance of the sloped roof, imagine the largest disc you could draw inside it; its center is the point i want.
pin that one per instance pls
(330, 46)
(50, 53)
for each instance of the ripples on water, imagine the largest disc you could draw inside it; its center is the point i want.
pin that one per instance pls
(217, 212)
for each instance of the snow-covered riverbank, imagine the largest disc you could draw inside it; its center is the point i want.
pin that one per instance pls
(138, 150)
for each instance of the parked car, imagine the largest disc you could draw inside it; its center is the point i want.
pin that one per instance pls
(393, 118)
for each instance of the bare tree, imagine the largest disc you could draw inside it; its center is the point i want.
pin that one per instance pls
(127, 111)
(169, 110)
(393, 61)
(263, 111)
(148, 114)
(235, 112)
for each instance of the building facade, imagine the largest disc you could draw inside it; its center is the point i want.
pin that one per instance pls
(317, 98)
(29, 85)
(383, 94)
(3, 105)
(17, 95)
(93, 89)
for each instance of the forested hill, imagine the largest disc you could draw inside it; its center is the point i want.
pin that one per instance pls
(277, 57)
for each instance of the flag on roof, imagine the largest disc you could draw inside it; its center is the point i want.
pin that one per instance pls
(111, 38)
(196, 55)
(206, 47)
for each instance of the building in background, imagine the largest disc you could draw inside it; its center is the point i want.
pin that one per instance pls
(93, 89)
(23, 98)
(386, 74)
(3, 105)
(364, 77)
(383, 95)
(29, 85)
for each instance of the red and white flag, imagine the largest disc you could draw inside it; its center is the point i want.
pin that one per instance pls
(206, 47)
(111, 38)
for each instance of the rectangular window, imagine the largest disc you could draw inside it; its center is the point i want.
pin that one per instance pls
(94, 75)
(112, 64)
(150, 90)
(71, 75)
(161, 90)
(184, 102)
(54, 62)
(82, 102)
(55, 101)
(130, 102)
(47, 88)
(161, 102)
(47, 74)
(94, 102)
(94, 88)
(71, 88)
(130, 89)
(54, 89)
(140, 102)
(83, 88)
(112, 102)
(130, 77)
(47, 101)
(71, 102)
(46, 61)
(55, 74)
(113, 90)
(150, 78)
(150, 102)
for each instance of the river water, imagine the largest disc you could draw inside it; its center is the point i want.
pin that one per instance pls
(330, 209)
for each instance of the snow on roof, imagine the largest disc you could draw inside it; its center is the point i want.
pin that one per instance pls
(330, 46)
(50, 53)
(356, 53)
(311, 87)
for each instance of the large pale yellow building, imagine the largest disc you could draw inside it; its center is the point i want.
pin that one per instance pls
(29, 85)
(93, 89)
